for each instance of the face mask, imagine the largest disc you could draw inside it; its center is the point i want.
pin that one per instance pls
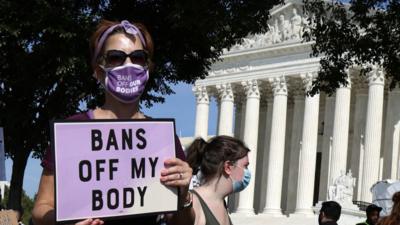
(241, 184)
(127, 82)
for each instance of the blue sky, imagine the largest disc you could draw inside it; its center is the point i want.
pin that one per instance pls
(181, 106)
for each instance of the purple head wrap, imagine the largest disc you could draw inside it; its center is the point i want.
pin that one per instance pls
(128, 27)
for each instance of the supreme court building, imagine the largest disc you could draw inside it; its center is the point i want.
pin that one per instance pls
(299, 144)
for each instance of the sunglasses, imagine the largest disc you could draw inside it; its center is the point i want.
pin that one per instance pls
(117, 57)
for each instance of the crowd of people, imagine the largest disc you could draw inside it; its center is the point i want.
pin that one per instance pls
(123, 51)
(331, 210)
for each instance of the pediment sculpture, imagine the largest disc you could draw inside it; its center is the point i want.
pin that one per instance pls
(280, 30)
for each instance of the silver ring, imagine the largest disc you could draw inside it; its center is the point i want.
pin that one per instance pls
(180, 176)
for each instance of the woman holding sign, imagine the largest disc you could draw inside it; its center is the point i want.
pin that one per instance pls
(121, 57)
(223, 163)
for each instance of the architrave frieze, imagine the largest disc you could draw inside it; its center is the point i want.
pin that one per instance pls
(264, 72)
(286, 48)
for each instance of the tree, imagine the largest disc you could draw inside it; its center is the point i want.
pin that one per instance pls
(43, 74)
(44, 71)
(361, 33)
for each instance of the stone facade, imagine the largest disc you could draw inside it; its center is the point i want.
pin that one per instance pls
(299, 143)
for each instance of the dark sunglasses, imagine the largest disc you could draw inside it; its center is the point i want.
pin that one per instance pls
(117, 57)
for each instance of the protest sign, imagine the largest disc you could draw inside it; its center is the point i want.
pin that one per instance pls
(8, 217)
(111, 168)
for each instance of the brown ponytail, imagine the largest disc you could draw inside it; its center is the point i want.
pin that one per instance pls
(195, 154)
(210, 156)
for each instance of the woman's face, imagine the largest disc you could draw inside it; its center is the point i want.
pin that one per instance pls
(121, 42)
(238, 170)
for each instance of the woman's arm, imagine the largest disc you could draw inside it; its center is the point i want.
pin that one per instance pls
(177, 173)
(43, 210)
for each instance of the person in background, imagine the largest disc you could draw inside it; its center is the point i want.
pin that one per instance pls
(372, 212)
(223, 163)
(329, 213)
(120, 52)
(394, 217)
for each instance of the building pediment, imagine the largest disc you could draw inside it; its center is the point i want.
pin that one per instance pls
(286, 26)
(281, 44)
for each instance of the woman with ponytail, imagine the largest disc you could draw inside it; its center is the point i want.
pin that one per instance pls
(394, 217)
(222, 162)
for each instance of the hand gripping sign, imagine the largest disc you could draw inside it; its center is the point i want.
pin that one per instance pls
(111, 168)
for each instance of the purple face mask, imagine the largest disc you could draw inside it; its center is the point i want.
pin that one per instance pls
(127, 82)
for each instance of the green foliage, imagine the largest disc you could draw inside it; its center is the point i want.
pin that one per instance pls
(44, 72)
(26, 203)
(189, 35)
(361, 33)
(44, 57)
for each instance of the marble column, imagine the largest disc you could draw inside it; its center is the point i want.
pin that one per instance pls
(297, 127)
(360, 114)
(308, 152)
(239, 116)
(326, 146)
(373, 132)
(286, 160)
(264, 160)
(340, 132)
(277, 147)
(391, 137)
(218, 102)
(239, 102)
(260, 184)
(396, 151)
(202, 109)
(246, 197)
(225, 123)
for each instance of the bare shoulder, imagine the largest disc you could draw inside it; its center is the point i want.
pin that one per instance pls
(200, 219)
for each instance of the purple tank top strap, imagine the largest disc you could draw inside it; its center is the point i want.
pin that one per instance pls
(90, 114)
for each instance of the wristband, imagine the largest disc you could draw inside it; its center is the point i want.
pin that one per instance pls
(188, 204)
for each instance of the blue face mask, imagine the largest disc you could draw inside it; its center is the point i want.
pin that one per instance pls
(241, 184)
